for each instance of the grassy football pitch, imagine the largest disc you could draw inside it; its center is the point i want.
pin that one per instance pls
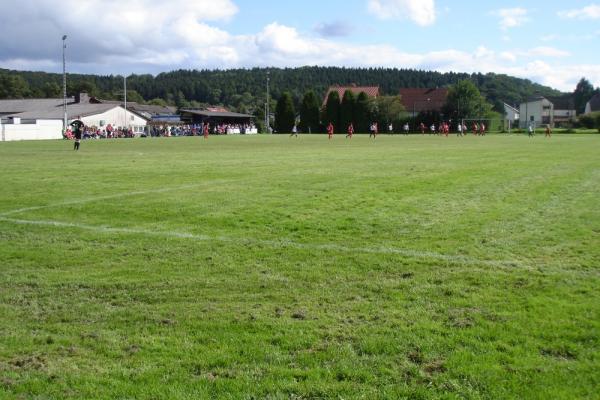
(275, 267)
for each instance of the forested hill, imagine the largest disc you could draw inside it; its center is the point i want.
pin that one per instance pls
(244, 89)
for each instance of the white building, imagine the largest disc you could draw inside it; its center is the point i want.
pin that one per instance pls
(511, 116)
(37, 119)
(593, 105)
(510, 113)
(553, 111)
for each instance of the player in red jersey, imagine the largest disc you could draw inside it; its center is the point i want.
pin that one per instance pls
(350, 131)
(482, 129)
(548, 131)
(206, 130)
(422, 126)
(330, 130)
(475, 128)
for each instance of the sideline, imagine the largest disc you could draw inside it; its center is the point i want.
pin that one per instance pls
(456, 259)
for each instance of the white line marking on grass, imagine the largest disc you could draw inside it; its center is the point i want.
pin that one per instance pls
(111, 197)
(457, 259)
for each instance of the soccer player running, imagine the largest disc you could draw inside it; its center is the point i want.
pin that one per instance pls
(482, 129)
(77, 131)
(294, 131)
(406, 129)
(330, 130)
(350, 131)
(206, 130)
(548, 131)
(530, 131)
(373, 130)
(422, 126)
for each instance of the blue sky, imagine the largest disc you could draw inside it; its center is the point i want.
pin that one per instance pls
(550, 42)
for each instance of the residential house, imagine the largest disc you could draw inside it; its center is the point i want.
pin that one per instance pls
(553, 111)
(418, 100)
(593, 105)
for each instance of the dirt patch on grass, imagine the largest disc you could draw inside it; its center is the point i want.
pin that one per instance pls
(559, 353)
(461, 318)
(6, 382)
(435, 367)
(416, 356)
(300, 314)
(35, 362)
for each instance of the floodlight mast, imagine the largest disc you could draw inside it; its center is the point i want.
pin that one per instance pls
(126, 124)
(267, 119)
(64, 38)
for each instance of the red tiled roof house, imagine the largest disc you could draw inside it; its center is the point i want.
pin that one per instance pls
(371, 91)
(417, 100)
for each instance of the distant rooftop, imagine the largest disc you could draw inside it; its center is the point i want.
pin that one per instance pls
(423, 99)
(215, 114)
(595, 103)
(371, 91)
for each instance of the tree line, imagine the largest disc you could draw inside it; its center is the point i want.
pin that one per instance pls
(244, 90)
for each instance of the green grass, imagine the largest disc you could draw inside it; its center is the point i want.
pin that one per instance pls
(275, 267)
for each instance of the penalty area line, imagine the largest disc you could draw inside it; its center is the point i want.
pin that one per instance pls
(285, 243)
(113, 196)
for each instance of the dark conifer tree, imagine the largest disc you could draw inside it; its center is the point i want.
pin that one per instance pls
(331, 112)
(285, 115)
(309, 113)
(347, 109)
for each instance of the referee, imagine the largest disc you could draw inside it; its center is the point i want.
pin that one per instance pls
(77, 130)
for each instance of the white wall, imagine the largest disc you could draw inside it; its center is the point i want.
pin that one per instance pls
(116, 117)
(41, 130)
(565, 113)
(535, 111)
(510, 113)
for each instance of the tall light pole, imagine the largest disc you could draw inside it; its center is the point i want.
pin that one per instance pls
(64, 38)
(125, 100)
(267, 114)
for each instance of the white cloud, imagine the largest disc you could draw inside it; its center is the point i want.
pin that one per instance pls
(544, 51)
(590, 12)
(422, 12)
(511, 17)
(508, 56)
(100, 28)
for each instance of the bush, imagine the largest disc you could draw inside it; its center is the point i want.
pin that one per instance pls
(590, 121)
